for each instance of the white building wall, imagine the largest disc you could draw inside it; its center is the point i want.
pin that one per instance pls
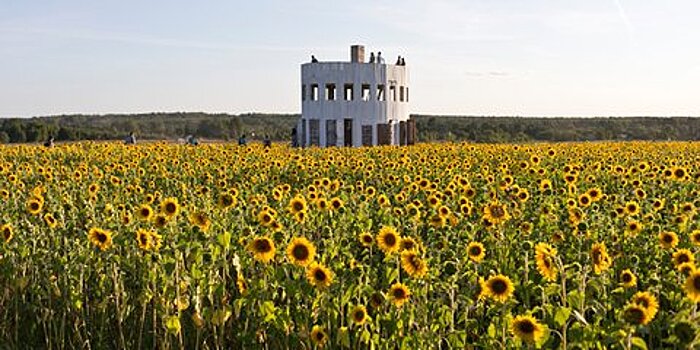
(371, 112)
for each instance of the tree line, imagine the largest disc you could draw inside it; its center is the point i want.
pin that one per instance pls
(164, 126)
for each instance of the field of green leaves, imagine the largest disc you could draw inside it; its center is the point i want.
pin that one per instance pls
(434, 246)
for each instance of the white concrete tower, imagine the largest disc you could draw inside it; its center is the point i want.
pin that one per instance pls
(355, 103)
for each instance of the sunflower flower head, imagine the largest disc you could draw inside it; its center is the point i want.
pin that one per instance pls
(388, 239)
(499, 288)
(262, 248)
(527, 329)
(301, 251)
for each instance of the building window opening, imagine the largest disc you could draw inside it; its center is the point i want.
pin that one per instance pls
(401, 95)
(314, 92)
(330, 92)
(348, 92)
(314, 132)
(392, 91)
(365, 92)
(381, 96)
(367, 135)
(303, 92)
(406, 93)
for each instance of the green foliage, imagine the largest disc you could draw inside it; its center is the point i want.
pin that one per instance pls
(160, 126)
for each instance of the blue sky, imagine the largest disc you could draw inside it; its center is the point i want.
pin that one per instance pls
(508, 57)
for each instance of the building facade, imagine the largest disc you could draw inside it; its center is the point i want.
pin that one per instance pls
(355, 103)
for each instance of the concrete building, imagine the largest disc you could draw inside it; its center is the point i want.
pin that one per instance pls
(355, 103)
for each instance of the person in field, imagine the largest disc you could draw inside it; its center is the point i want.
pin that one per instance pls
(131, 139)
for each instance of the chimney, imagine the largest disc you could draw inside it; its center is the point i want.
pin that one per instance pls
(357, 54)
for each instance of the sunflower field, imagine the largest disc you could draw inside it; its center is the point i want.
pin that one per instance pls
(434, 246)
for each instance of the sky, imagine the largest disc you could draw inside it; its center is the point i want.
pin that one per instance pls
(466, 57)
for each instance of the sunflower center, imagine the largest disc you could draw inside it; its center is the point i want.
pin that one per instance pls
(170, 207)
(499, 286)
(399, 293)
(359, 315)
(367, 238)
(145, 212)
(390, 240)
(297, 206)
(497, 211)
(696, 282)
(262, 245)
(300, 252)
(320, 275)
(626, 278)
(475, 251)
(634, 315)
(101, 237)
(668, 238)
(526, 327)
(683, 258)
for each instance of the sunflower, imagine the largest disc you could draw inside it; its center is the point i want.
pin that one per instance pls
(201, 220)
(143, 238)
(476, 252)
(437, 221)
(632, 208)
(145, 212)
(628, 279)
(301, 251)
(681, 256)
(635, 315)
(50, 220)
(319, 336)
(633, 228)
(160, 220)
(544, 259)
(300, 217)
(297, 204)
(527, 329)
(496, 213)
(359, 315)
(365, 239)
(34, 206)
(100, 238)
(263, 249)
(668, 239)
(337, 203)
(408, 243)
(584, 200)
(318, 275)
(499, 288)
(413, 264)
(170, 207)
(692, 286)
(399, 294)
(646, 301)
(600, 258)
(225, 200)
(388, 239)
(6, 231)
(695, 237)
(686, 268)
(266, 218)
